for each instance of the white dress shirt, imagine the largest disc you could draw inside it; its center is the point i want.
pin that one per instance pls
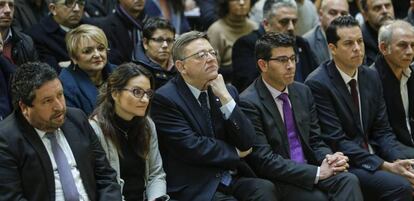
(71, 160)
(404, 95)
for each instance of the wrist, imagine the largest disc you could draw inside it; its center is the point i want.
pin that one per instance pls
(386, 166)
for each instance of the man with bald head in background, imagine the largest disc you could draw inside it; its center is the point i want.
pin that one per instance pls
(329, 10)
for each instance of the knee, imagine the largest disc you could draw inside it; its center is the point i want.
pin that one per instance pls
(349, 178)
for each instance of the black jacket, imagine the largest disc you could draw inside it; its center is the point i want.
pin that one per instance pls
(23, 48)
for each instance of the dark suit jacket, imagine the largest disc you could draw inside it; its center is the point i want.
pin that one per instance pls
(49, 40)
(194, 159)
(271, 154)
(245, 70)
(340, 121)
(317, 43)
(393, 100)
(26, 170)
(371, 43)
(6, 71)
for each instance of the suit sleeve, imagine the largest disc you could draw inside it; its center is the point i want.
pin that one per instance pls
(332, 130)
(10, 185)
(183, 142)
(269, 164)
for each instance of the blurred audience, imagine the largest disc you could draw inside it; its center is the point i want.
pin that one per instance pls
(28, 13)
(172, 10)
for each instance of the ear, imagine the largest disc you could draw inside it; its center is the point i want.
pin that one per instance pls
(266, 25)
(262, 65)
(52, 8)
(145, 43)
(24, 108)
(180, 66)
(383, 48)
(332, 47)
(115, 95)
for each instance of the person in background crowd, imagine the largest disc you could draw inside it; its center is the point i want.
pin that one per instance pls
(17, 47)
(49, 151)
(128, 135)
(87, 47)
(353, 116)
(410, 13)
(6, 71)
(396, 43)
(158, 39)
(329, 10)
(28, 13)
(232, 24)
(172, 10)
(376, 13)
(49, 34)
(307, 17)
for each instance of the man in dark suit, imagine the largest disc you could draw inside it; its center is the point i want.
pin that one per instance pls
(49, 34)
(329, 10)
(203, 134)
(124, 31)
(49, 152)
(275, 155)
(376, 13)
(353, 117)
(279, 16)
(393, 66)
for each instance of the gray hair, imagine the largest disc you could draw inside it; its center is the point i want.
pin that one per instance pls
(182, 42)
(386, 31)
(271, 6)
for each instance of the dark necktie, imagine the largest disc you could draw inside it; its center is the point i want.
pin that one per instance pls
(206, 111)
(354, 93)
(296, 152)
(70, 191)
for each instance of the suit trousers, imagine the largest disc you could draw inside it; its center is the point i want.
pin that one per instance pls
(246, 189)
(382, 185)
(341, 187)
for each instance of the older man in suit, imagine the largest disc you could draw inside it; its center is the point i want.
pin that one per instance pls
(289, 150)
(396, 43)
(330, 9)
(203, 134)
(353, 116)
(49, 152)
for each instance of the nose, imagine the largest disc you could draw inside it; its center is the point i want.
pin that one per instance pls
(384, 8)
(241, 2)
(357, 46)
(409, 49)
(59, 105)
(145, 98)
(6, 8)
(164, 43)
(291, 26)
(76, 6)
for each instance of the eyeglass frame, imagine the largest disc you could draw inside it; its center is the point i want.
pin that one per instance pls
(211, 52)
(149, 92)
(160, 40)
(285, 59)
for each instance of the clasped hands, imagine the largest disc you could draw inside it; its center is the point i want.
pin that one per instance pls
(333, 164)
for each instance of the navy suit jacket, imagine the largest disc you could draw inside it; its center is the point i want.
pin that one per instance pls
(194, 159)
(340, 120)
(393, 100)
(26, 171)
(271, 154)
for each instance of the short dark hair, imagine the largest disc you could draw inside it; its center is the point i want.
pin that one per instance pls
(183, 40)
(339, 22)
(154, 23)
(265, 44)
(29, 77)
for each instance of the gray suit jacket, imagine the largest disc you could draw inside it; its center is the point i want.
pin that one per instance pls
(271, 155)
(318, 44)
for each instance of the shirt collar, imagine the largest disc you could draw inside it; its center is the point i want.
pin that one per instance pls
(274, 92)
(8, 37)
(194, 90)
(407, 72)
(66, 29)
(43, 133)
(346, 77)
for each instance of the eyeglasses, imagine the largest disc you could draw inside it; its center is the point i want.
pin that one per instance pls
(202, 55)
(285, 21)
(139, 92)
(160, 40)
(284, 59)
(90, 50)
(72, 3)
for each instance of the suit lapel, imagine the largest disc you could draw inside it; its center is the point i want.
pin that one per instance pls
(271, 107)
(192, 105)
(216, 115)
(33, 138)
(297, 107)
(363, 94)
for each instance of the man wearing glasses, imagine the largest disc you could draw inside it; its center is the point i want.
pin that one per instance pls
(288, 148)
(203, 134)
(279, 16)
(49, 34)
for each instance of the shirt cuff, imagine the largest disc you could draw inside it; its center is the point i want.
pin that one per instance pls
(228, 108)
(317, 176)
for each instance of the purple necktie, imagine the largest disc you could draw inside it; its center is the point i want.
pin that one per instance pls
(296, 152)
(70, 192)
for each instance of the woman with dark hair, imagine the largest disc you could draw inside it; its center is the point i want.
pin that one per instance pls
(232, 24)
(158, 38)
(128, 135)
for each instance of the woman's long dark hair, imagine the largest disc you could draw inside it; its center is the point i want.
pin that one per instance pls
(105, 110)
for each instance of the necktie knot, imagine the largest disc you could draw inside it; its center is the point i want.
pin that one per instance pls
(202, 97)
(50, 135)
(284, 97)
(352, 83)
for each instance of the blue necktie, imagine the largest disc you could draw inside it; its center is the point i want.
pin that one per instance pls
(296, 152)
(70, 191)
